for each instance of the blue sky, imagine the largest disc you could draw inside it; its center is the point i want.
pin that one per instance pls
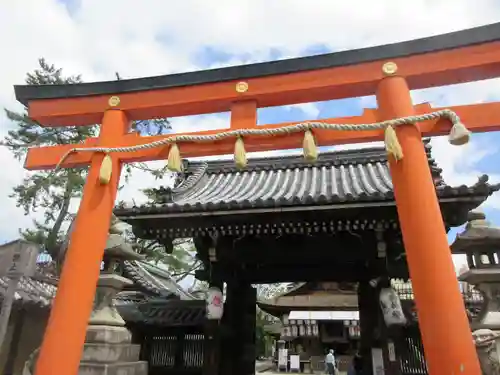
(156, 37)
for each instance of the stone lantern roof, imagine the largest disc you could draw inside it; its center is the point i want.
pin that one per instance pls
(479, 236)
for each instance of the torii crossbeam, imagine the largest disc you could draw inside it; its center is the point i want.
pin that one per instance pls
(388, 71)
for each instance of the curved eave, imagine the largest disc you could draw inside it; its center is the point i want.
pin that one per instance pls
(277, 310)
(454, 40)
(162, 285)
(476, 195)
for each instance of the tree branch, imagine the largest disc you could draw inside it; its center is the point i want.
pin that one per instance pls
(185, 274)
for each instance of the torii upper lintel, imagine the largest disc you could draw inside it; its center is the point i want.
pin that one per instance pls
(462, 56)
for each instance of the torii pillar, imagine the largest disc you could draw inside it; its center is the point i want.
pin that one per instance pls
(444, 326)
(81, 269)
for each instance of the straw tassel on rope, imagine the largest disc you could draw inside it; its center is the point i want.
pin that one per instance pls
(392, 145)
(174, 158)
(459, 134)
(106, 170)
(240, 155)
(309, 146)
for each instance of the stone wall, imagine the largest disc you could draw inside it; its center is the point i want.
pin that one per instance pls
(31, 338)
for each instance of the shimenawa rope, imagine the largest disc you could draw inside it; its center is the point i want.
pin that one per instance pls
(459, 135)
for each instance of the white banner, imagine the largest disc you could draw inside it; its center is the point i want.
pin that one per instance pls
(294, 363)
(283, 358)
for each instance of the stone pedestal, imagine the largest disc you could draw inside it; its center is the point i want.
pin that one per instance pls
(108, 348)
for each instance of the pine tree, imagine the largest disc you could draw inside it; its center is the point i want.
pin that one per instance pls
(52, 193)
(52, 196)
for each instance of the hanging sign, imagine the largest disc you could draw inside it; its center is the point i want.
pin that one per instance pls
(215, 304)
(391, 307)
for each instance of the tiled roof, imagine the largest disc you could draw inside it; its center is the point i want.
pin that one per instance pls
(330, 300)
(282, 302)
(172, 313)
(31, 291)
(152, 280)
(336, 177)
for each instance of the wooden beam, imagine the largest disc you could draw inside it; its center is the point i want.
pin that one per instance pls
(477, 117)
(277, 274)
(470, 63)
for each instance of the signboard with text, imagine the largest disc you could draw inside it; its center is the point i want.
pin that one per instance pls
(18, 258)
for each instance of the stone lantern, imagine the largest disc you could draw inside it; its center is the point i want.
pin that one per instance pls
(108, 347)
(480, 242)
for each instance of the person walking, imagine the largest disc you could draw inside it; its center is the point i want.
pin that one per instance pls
(330, 363)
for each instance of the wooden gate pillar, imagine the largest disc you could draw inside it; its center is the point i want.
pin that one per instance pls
(248, 330)
(211, 347)
(239, 321)
(374, 333)
(368, 321)
(212, 344)
(445, 329)
(227, 357)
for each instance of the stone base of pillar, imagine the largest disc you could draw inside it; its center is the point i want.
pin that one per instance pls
(108, 348)
(133, 368)
(109, 351)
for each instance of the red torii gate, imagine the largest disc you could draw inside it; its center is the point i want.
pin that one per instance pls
(388, 71)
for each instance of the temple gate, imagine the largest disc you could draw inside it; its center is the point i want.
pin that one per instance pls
(388, 71)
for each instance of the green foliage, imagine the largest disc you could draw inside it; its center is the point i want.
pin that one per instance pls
(52, 196)
(181, 261)
(262, 339)
(48, 195)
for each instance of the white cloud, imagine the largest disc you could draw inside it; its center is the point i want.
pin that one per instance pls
(309, 109)
(156, 37)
